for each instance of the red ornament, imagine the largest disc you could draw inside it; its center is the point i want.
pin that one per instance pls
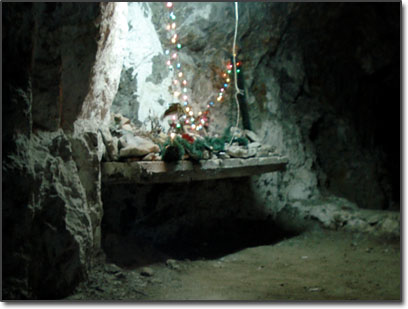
(188, 138)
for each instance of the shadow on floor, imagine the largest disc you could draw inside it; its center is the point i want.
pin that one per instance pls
(217, 240)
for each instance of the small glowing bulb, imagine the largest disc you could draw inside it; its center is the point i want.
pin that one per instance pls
(168, 27)
(178, 45)
(229, 71)
(185, 103)
(185, 97)
(175, 81)
(178, 126)
(173, 26)
(225, 85)
(168, 62)
(220, 94)
(222, 89)
(178, 65)
(192, 119)
(169, 4)
(193, 126)
(238, 63)
(180, 74)
(174, 56)
(191, 113)
(202, 121)
(184, 82)
(208, 105)
(224, 75)
(219, 99)
(172, 16)
(200, 113)
(167, 52)
(170, 67)
(211, 103)
(187, 109)
(238, 70)
(184, 90)
(174, 117)
(176, 94)
(172, 135)
(228, 80)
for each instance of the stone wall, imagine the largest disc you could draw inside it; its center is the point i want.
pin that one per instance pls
(56, 62)
(315, 76)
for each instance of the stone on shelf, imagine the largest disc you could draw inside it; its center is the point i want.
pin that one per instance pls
(241, 152)
(138, 146)
(252, 136)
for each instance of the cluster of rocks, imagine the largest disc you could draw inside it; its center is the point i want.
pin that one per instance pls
(337, 213)
(125, 142)
(254, 148)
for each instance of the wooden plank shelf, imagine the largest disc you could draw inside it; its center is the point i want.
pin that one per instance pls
(150, 172)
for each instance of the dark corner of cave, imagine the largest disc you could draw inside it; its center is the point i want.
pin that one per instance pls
(190, 151)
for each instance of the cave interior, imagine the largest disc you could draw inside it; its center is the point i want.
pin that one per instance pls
(132, 135)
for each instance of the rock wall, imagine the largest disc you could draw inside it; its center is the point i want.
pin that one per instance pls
(56, 62)
(141, 93)
(314, 75)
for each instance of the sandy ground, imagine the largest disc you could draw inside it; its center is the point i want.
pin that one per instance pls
(315, 265)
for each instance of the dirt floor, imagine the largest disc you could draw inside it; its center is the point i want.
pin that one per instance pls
(315, 265)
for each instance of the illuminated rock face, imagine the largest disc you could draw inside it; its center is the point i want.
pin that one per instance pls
(313, 84)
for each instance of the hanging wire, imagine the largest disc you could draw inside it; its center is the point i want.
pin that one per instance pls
(237, 90)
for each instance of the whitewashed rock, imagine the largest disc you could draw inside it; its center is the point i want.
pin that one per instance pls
(254, 145)
(236, 132)
(147, 272)
(237, 151)
(121, 120)
(122, 143)
(391, 227)
(172, 264)
(223, 155)
(152, 157)
(111, 144)
(160, 138)
(206, 155)
(115, 149)
(251, 152)
(241, 152)
(138, 146)
(252, 136)
(265, 151)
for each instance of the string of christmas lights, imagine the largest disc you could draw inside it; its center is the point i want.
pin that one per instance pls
(184, 116)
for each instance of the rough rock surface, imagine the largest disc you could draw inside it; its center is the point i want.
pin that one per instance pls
(108, 63)
(137, 146)
(314, 88)
(52, 206)
(337, 213)
(46, 217)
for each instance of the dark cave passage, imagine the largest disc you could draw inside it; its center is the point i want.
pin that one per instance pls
(170, 221)
(220, 238)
